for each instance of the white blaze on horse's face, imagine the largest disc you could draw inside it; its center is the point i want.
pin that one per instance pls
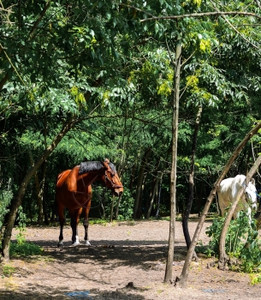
(251, 195)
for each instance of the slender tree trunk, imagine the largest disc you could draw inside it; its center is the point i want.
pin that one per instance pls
(102, 209)
(223, 258)
(117, 207)
(42, 215)
(138, 200)
(153, 196)
(173, 174)
(187, 210)
(9, 189)
(159, 195)
(40, 196)
(39, 191)
(184, 275)
(17, 201)
(112, 208)
(137, 207)
(154, 193)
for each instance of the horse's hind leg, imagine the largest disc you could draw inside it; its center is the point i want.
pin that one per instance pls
(61, 220)
(60, 243)
(86, 211)
(75, 217)
(86, 225)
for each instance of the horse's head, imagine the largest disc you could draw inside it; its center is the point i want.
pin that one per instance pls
(111, 178)
(251, 194)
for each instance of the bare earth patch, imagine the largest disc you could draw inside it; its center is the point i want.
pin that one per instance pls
(126, 261)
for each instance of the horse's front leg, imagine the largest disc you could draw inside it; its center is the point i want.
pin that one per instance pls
(61, 220)
(86, 211)
(60, 243)
(75, 217)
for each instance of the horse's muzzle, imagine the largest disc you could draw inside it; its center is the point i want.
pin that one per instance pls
(118, 192)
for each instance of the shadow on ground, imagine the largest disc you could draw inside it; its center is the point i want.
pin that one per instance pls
(60, 294)
(139, 254)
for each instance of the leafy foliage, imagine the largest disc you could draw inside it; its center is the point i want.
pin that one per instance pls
(100, 63)
(242, 241)
(24, 249)
(5, 200)
(8, 270)
(21, 247)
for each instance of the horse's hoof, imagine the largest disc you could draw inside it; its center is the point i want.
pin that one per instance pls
(87, 243)
(75, 244)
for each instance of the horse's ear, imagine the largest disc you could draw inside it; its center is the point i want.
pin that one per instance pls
(106, 163)
(253, 181)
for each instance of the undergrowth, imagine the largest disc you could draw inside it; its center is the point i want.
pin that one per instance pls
(21, 247)
(242, 242)
(24, 249)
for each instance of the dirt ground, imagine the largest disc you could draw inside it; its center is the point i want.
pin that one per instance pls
(126, 261)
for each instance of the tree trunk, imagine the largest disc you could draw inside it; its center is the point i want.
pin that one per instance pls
(155, 190)
(153, 196)
(102, 209)
(184, 275)
(117, 207)
(187, 210)
(223, 258)
(17, 201)
(173, 174)
(40, 196)
(137, 207)
(159, 195)
(39, 190)
(112, 209)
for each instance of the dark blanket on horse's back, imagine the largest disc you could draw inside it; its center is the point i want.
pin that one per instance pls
(88, 166)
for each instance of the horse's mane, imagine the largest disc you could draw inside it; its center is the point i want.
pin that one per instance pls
(89, 166)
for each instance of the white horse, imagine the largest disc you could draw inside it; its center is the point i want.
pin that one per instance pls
(228, 191)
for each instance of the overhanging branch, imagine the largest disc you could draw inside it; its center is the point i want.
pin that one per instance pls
(235, 29)
(205, 14)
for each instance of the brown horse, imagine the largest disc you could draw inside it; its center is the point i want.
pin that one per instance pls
(74, 191)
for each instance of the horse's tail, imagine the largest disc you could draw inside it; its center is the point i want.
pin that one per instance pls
(59, 183)
(59, 176)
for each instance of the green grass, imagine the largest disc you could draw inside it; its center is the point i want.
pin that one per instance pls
(24, 249)
(7, 271)
(255, 278)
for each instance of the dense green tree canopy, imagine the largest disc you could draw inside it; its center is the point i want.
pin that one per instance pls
(109, 67)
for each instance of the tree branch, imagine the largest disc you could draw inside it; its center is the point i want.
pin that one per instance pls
(12, 65)
(33, 30)
(258, 3)
(136, 8)
(234, 28)
(223, 257)
(204, 14)
(32, 35)
(185, 270)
